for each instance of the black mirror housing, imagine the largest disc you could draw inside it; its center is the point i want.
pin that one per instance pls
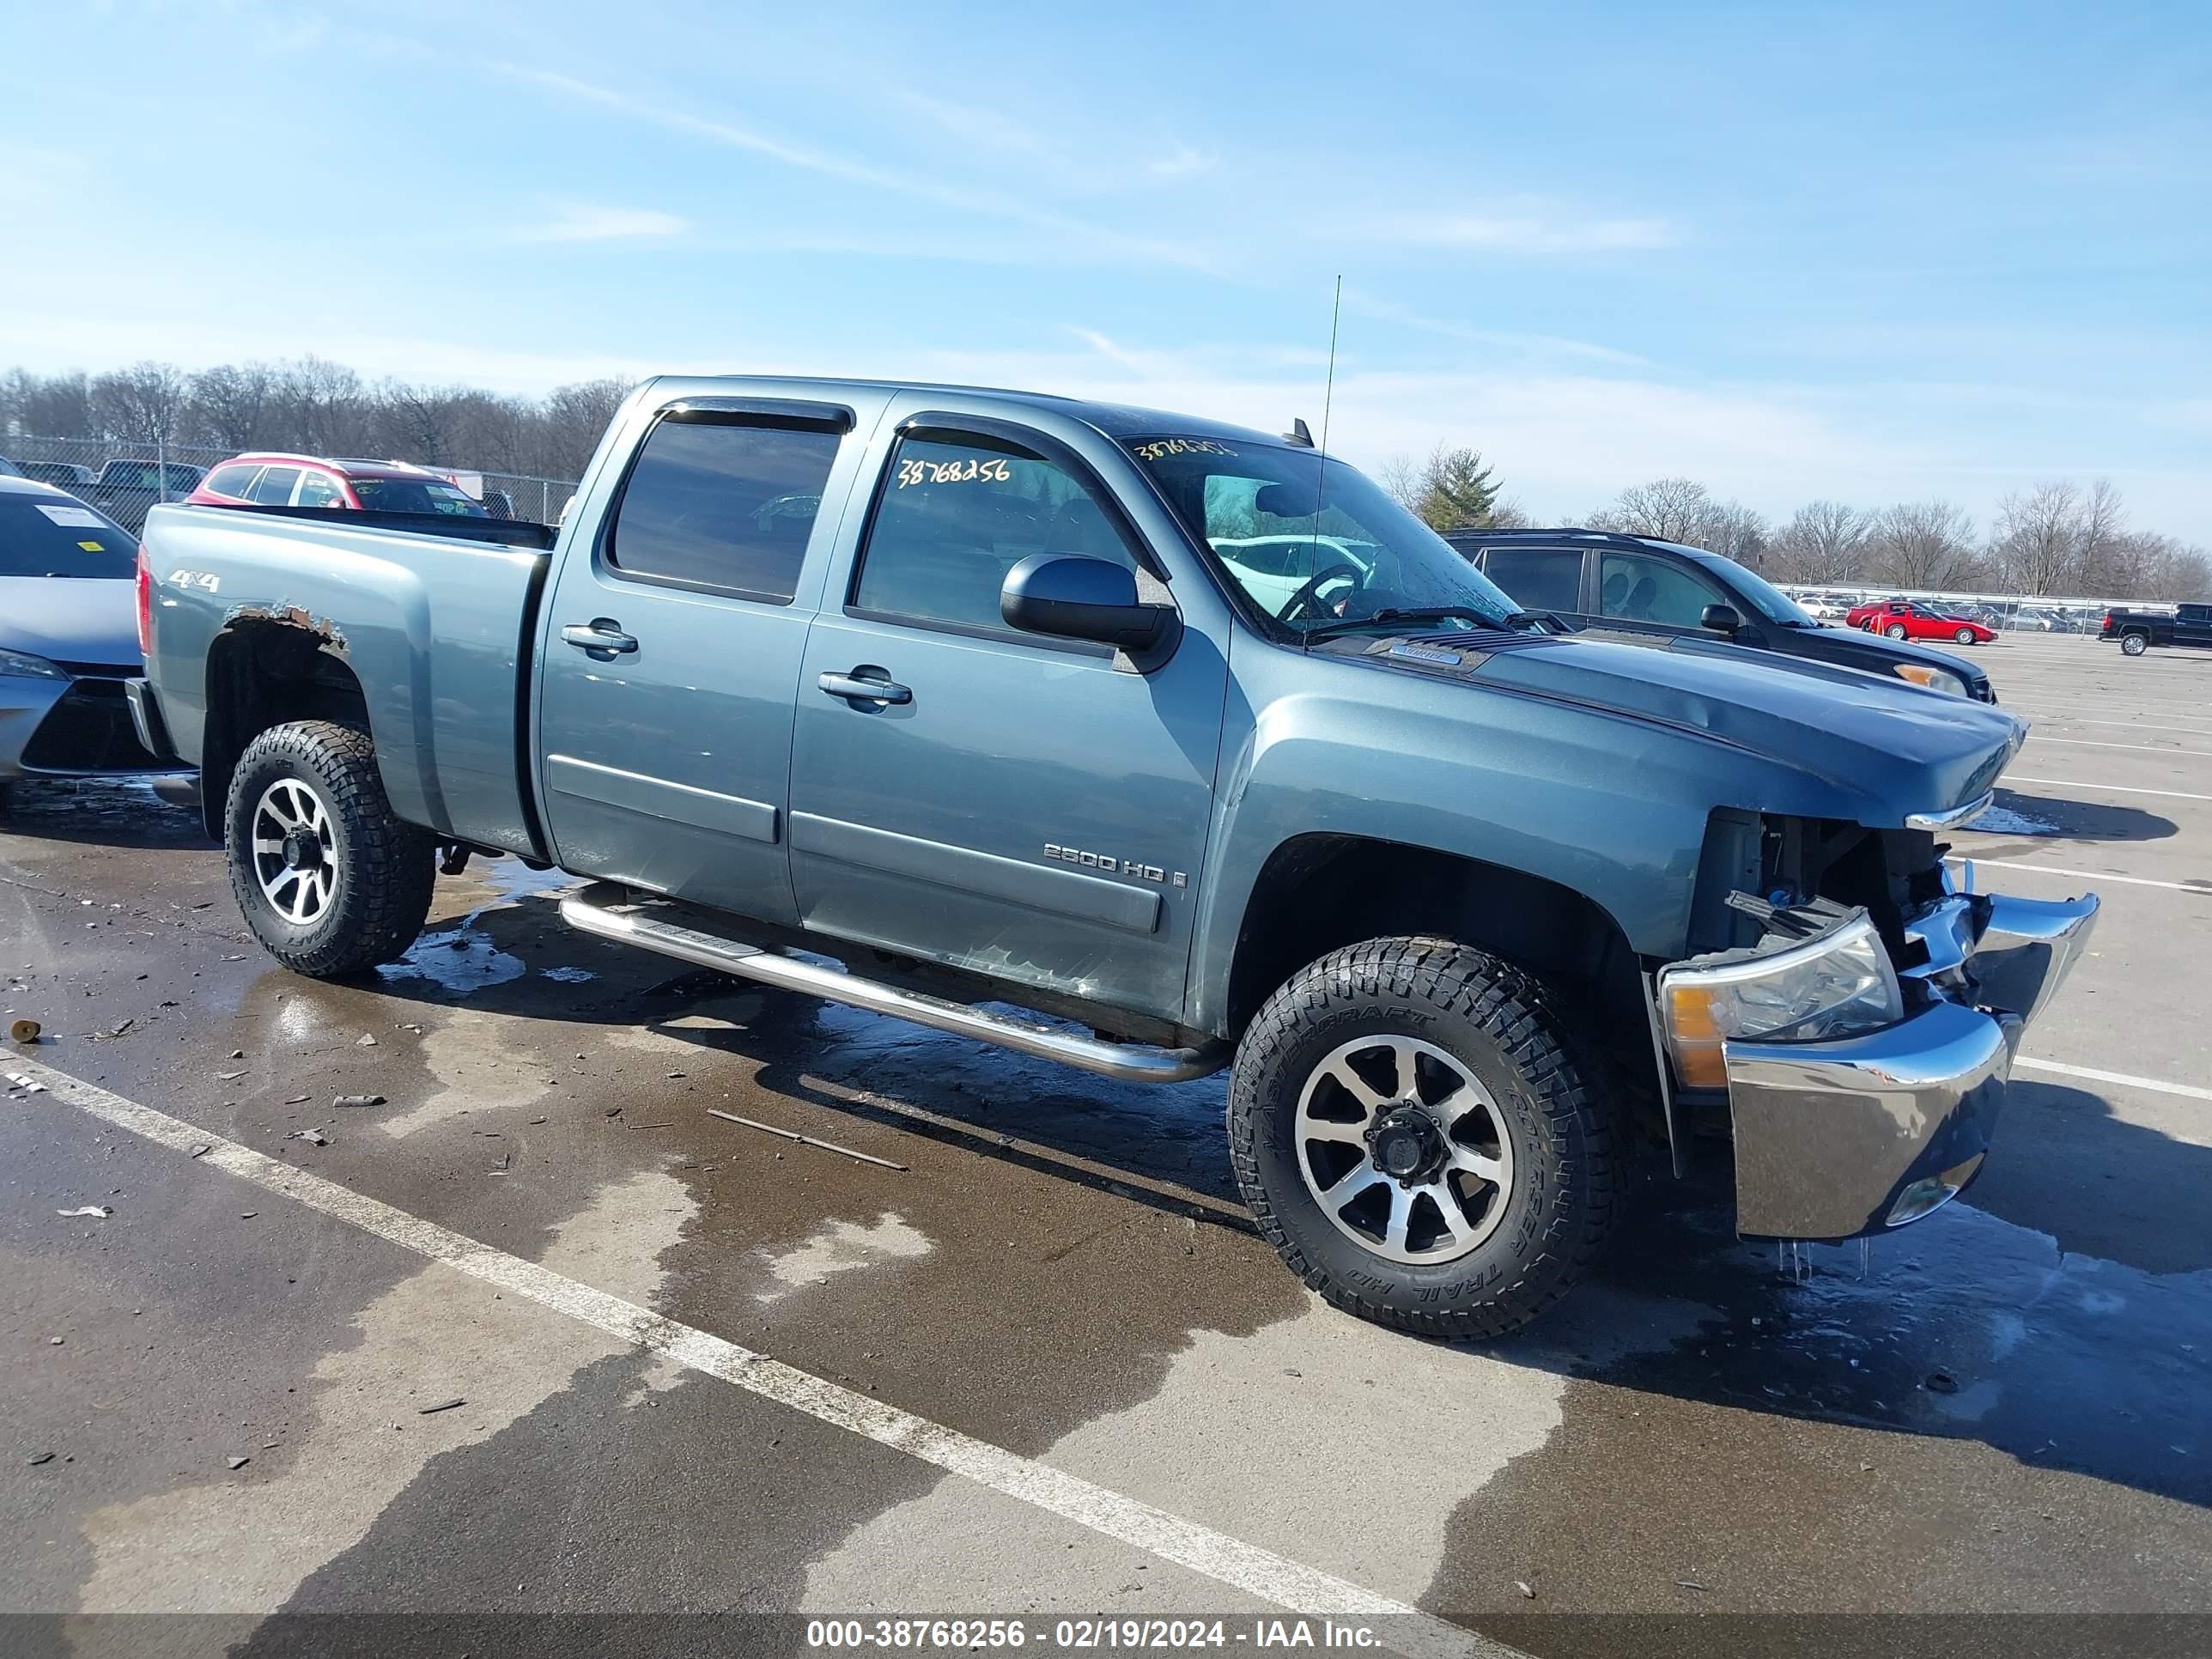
(1721, 619)
(1071, 597)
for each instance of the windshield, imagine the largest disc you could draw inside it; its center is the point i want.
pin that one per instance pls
(417, 495)
(1770, 601)
(61, 538)
(1362, 554)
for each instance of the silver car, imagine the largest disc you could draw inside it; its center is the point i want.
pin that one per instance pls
(69, 640)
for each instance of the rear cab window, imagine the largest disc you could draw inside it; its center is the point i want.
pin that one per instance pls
(723, 505)
(956, 512)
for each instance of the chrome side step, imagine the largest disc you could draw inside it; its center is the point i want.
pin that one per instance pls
(608, 913)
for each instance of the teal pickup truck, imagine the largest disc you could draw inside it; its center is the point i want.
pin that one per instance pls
(1187, 740)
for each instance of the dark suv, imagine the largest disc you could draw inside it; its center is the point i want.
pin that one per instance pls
(1640, 584)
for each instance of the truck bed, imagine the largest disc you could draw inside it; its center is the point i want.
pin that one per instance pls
(433, 616)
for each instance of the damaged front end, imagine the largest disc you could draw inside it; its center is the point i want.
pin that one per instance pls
(1863, 1025)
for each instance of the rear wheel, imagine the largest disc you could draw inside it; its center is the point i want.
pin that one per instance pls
(1417, 1140)
(1895, 631)
(329, 878)
(2134, 644)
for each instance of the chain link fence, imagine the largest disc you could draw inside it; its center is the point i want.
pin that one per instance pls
(124, 479)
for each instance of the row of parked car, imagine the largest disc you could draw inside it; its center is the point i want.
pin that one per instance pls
(125, 488)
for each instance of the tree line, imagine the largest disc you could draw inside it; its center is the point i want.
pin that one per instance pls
(2056, 537)
(318, 408)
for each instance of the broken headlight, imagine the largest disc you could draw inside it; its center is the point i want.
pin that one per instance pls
(1837, 983)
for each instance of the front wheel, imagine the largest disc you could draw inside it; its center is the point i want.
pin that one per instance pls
(329, 880)
(1415, 1136)
(1965, 636)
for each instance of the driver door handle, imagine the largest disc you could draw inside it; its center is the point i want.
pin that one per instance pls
(598, 634)
(856, 691)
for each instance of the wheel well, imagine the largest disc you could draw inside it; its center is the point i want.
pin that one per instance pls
(263, 673)
(1318, 893)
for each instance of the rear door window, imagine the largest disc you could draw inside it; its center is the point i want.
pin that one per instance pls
(274, 487)
(723, 505)
(1538, 578)
(1641, 589)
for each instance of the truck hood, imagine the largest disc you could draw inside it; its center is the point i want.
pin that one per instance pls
(1896, 748)
(92, 619)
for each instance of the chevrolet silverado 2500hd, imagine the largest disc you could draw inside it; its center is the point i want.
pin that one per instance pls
(1187, 739)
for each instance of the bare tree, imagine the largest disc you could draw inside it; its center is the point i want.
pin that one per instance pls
(1672, 509)
(1824, 542)
(576, 417)
(1919, 543)
(2037, 540)
(229, 405)
(1400, 479)
(141, 403)
(1735, 532)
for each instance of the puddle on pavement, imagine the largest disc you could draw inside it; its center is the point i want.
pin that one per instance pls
(463, 959)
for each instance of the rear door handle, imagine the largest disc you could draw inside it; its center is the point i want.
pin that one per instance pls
(598, 634)
(856, 691)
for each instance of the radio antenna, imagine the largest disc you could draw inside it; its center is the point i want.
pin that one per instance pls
(1327, 400)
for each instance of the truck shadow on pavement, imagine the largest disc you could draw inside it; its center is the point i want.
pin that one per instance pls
(2060, 1312)
(2018, 817)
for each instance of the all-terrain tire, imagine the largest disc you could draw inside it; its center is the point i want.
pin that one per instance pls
(384, 867)
(1504, 1028)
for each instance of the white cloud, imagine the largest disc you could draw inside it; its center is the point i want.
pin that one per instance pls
(1523, 232)
(586, 221)
(1180, 162)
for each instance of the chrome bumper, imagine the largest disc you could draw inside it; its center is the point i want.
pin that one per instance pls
(1854, 1135)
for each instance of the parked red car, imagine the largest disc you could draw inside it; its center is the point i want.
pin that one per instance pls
(279, 480)
(1908, 619)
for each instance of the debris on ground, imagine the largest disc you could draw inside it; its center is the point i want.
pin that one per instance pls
(38, 1458)
(299, 1100)
(366, 1040)
(247, 1215)
(54, 1341)
(1522, 1584)
(442, 1406)
(312, 1136)
(238, 1053)
(1688, 1583)
(539, 1120)
(229, 1077)
(358, 1100)
(201, 1149)
(24, 1030)
(804, 1140)
(98, 1211)
(236, 1462)
(27, 1083)
(1942, 1382)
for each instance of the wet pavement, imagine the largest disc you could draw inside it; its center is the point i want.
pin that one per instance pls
(2006, 1410)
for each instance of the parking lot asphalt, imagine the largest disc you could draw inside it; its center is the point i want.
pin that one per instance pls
(1046, 1367)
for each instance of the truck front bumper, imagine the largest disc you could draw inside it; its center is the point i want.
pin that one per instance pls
(1854, 1135)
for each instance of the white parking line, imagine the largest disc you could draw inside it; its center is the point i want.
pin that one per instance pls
(2114, 788)
(2146, 748)
(1304, 1591)
(2189, 1090)
(2205, 888)
(2133, 725)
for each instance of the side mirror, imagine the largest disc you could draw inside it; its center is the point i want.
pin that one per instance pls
(1721, 619)
(1073, 597)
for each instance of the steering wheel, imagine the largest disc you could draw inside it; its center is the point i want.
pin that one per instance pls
(1308, 592)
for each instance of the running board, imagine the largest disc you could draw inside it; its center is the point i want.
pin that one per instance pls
(610, 913)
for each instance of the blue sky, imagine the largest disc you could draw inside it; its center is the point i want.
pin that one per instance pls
(1854, 251)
